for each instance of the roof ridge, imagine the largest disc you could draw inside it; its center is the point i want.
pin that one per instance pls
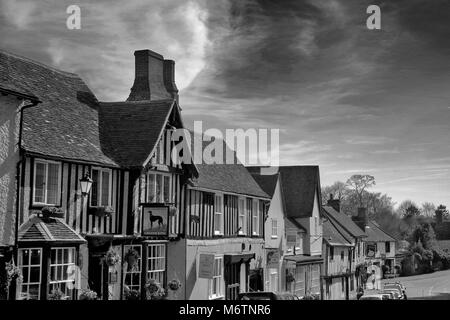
(52, 68)
(139, 102)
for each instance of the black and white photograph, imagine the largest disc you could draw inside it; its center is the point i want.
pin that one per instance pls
(224, 151)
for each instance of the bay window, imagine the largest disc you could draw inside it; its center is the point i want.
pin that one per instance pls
(255, 217)
(30, 262)
(101, 187)
(156, 263)
(242, 217)
(62, 270)
(216, 284)
(159, 187)
(47, 182)
(218, 214)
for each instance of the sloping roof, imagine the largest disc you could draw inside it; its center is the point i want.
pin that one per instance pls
(234, 178)
(301, 259)
(299, 185)
(267, 182)
(49, 229)
(375, 234)
(335, 235)
(65, 124)
(132, 129)
(344, 221)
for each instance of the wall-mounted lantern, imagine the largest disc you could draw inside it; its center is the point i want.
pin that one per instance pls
(86, 184)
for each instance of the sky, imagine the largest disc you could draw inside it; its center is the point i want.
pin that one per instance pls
(346, 98)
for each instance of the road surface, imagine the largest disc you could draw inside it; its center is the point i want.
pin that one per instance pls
(430, 286)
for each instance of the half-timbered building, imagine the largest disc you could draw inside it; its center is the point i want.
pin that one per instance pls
(134, 211)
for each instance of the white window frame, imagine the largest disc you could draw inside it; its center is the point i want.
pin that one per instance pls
(100, 189)
(161, 197)
(242, 207)
(219, 214)
(255, 216)
(158, 260)
(274, 229)
(28, 264)
(219, 278)
(273, 280)
(46, 163)
(132, 286)
(53, 284)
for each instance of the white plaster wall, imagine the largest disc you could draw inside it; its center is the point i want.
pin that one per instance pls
(9, 156)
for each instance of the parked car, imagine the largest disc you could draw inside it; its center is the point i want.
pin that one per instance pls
(388, 295)
(397, 285)
(374, 297)
(262, 295)
(395, 292)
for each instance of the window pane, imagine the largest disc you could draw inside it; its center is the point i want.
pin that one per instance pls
(36, 257)
(167, 189)
(52, 183)
(39, 183)
(158, 188)
(34, 274)
(94, 188)
(33, 292)
(151, 188)
(105, 188)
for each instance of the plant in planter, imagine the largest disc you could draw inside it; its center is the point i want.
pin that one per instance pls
(56, 294)
(174, 285)
(52, 212)
(101, 212)
(131, 257)
(111, 258)
(87, 294)
(154, 290)
(132, 294)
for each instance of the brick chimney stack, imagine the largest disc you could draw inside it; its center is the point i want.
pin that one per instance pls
(334, 203)
(361, 219)
(154, 77)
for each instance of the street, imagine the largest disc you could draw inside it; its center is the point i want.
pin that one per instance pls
(431, 286)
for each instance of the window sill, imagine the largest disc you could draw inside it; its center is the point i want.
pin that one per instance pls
(218, 234)
(274, 237)
(216, 298)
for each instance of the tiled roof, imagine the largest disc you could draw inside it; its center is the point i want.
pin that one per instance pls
(301, 259)
(299, 185)
(131, 129)
(344, 221)
(65, 124)
(49, 229)
(233, 178)
(375, 234)
(334, 234)
(267, 182)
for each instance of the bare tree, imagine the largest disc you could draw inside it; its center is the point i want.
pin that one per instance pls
(428, 209)
(360, 183)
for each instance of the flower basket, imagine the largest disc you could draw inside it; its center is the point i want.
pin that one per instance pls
(111, 258)
(154, 290)
(132, 295)
(101, 212)
(52, 212)
(12, 273)
(174, 285)
(57, 294)
(131, 257)
(87, 294)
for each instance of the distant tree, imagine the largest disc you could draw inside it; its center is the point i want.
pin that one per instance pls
(408, 209)
(359, 183)
(338, 189)
(428, 209)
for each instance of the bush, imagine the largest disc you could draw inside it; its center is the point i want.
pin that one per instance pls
(87, 294)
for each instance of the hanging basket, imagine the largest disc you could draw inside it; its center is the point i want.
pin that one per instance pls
(131, 257)
(111, 258)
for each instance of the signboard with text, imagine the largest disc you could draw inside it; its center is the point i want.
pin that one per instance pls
(206, 266)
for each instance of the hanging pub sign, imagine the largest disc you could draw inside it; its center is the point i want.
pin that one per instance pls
(206, 266)
(371, 250)
(273, 257)
(155, 220)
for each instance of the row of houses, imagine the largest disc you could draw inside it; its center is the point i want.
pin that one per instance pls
(91, 198)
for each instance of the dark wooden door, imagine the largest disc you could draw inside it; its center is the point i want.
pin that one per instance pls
(232, 281)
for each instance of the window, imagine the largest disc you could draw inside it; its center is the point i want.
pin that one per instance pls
(242, 217)
(101, 187)
(29, 262)
(255, 217)
(316, 226)
(216, 286)
(159, 186)
(331, 253)
(273, 280)
(62, 268)
(132, 274)
(156, 262)
(315, 279)
(47, 182)
(342, 255)
(274, 228)
(388, 247)
(218, 214)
